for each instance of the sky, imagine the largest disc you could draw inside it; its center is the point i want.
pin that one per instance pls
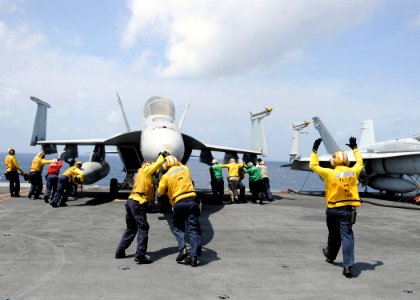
(344, 61)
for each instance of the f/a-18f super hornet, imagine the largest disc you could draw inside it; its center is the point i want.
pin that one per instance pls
(391, 166)
(159, 132)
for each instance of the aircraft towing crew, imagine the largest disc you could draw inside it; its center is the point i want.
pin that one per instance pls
(52, 178)
(136, 206)
(12, 168)
(256, 185)
(178, 185)
(342, 198)
(73, 175)
(233, 178)
(35, 174)
(266, 179)
(216, 181)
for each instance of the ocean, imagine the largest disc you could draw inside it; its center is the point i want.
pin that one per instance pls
(281, 178)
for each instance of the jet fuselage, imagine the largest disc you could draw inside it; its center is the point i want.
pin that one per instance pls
(160, 132)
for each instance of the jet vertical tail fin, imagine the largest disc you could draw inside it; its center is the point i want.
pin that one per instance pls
(330, 144)
(367, 133)
(39, 132)
(258, 137)
(123, 113)
(184, 114)
(258, 134)
(297, 131)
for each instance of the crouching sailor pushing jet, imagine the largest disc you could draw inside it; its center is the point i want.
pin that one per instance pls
(73, 175)
(178, 185)
(136, 206)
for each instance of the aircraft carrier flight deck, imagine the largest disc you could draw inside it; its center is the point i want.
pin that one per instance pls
(251, 251)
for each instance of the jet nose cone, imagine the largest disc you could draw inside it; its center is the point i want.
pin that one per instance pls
(162, 139)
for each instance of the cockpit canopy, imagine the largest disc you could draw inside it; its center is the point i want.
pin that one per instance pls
(159, 106)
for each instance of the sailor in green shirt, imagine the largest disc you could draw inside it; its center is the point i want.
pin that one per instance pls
(256, 185)
(217, 183)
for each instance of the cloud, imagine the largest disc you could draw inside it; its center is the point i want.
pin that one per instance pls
(212, 38)
(148, 18)
(78, 87)
(415, 23)
(247, 40)
(18, 40)
(10, 6)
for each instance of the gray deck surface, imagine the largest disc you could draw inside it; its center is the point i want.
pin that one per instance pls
(251, 251)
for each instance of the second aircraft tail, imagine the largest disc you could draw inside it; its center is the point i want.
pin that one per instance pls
(330, 144)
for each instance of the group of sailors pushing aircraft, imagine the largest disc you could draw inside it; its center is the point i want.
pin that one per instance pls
(176, 183)
(58, 188)
(259, 182)
(341, 196)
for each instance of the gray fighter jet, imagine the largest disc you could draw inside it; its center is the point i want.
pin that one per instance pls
(391, 166)
(159, 132)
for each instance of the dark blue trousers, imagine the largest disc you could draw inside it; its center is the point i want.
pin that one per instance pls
(257, 190)
(217, 187)
(64, 189)
(241, 188)
(185, 219)
(52, 182)
(340, 233)
(267, 190)
(35, 179)
(14, 183)
(136, 220)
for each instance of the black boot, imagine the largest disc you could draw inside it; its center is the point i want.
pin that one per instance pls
(120, 254)
(143, 259)
(182, 254)
(194, 261)
(327, 256)
(347, 272)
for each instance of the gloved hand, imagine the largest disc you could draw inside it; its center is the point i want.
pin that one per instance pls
(316, 145)
(164, 153)
(352, 143)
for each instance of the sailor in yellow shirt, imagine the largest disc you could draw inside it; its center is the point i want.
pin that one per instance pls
(12, 168)
(178, 185)
(73, 175)
(342, 198)
(141, 196)
(35, 174)
(233, 178)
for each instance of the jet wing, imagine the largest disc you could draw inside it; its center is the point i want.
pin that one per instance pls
(72, 142)
(324, 160)
(132, 137)
(230, 149)
(303, 163)
(128, 145)
(206, 156)
(376, 155)
(197, 145)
